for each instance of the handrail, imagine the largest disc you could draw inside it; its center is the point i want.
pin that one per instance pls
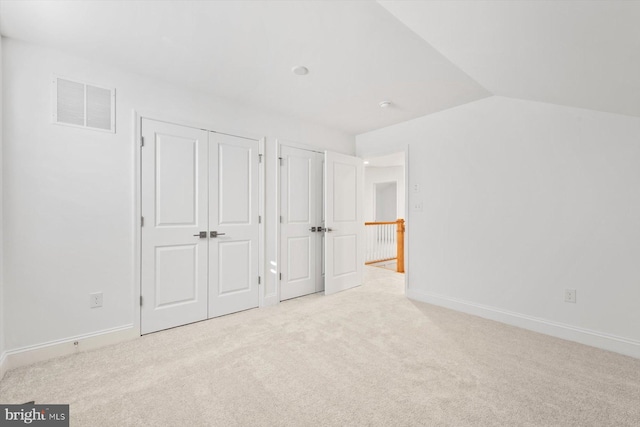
(383, 244)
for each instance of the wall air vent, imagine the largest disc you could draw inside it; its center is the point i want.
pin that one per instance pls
(84, 105)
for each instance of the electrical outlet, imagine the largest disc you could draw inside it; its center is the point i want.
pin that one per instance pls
(95, 300)
(570, 295)
(417, 206)
(416, 188)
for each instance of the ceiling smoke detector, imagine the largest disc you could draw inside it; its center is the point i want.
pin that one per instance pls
(300, 70)
(384, 104)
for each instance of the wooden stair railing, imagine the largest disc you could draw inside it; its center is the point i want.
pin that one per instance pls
(400, 245)
(384, 243)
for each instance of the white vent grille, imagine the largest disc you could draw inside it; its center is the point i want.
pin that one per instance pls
(83, 105)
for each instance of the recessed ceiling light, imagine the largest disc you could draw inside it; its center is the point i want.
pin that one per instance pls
(385, 104)
(300, 70)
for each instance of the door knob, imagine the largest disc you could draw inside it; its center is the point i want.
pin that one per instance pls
(320, 229)
(202, 235)
(312, 229)
(328, 230)
(215, 234)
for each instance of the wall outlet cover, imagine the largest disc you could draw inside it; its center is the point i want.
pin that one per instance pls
(570, 295)
(95, 300)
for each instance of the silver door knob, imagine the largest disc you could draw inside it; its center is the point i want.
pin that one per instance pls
(202, 235)
(215, 234)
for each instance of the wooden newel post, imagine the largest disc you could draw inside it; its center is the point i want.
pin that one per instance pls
(400, 243)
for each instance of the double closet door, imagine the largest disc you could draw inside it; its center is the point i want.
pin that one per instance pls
(321, 224)
(200, 236)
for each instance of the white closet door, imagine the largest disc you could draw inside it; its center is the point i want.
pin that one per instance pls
(174, 207)
(344, 238)
(301, 211)
(233, 220)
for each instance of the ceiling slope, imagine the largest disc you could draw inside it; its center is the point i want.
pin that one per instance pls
(358, 54)
(578, 53)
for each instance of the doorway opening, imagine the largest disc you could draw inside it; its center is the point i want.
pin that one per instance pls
(385, 211)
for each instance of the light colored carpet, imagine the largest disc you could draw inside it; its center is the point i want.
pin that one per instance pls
(389, 265)
(367, 356)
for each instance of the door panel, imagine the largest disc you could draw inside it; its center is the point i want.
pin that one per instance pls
(344, 237)
(177, 171)
(301, 209)
(299, 171)
(234, 167)
(344, 189)
(174, 205)
(345, 250)
(234, 261)
(175, 281)
(233, 214)
(299, 251)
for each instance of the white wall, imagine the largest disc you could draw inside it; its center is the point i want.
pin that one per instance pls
(374, 175)
(386, 195)
(2, 347)
(522, 200)
(69, 193)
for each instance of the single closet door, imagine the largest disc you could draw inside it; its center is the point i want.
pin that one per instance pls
(175, 211)
(233, 221)
(301, 223)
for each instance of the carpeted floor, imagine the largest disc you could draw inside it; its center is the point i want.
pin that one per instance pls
(366, 356)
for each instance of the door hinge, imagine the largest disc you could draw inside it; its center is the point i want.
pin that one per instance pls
(259, 219)
(142, 141)
(140, 300)
(258, 280)
(259, 158)
(280, 219)
(281, 160)
(280, 275)
(141, 221)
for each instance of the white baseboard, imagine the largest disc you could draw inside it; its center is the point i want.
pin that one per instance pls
(601, 340)
(3, 364)
(27, 355)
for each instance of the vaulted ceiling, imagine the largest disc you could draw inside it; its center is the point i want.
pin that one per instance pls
(577, 53)
(424, 56)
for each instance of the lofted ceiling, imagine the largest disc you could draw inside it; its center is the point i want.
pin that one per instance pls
(577, 53)
(423, 56)
(357, 53)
